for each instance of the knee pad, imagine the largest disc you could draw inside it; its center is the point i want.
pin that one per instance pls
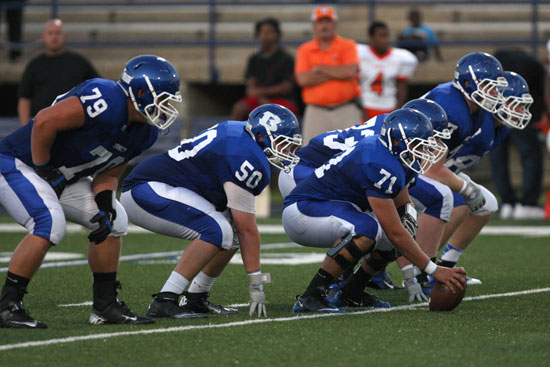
(348, 244)
(120, 224)
(378, 259)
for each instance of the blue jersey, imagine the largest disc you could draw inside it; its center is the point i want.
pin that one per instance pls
(461, 122)
(368, 169)
(105, 141)
(324, 146)
(225, 152)
(476, 146)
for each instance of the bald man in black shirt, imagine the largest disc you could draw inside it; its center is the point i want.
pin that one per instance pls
(51, 73)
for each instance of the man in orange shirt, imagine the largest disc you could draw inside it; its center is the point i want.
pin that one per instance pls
(326, 68)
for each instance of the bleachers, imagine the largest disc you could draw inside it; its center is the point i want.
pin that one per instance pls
(151, 29)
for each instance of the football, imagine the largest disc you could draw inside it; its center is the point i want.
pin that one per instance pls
(442, 299)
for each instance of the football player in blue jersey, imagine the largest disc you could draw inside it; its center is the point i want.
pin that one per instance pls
(203, 190)
(513, 112)
(434, 204)
(473, 95)
(354, 200)
(65, 164)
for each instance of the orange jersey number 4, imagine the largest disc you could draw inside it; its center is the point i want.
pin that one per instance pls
(376, 85)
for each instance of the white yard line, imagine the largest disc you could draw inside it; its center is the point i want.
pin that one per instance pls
(72, 339)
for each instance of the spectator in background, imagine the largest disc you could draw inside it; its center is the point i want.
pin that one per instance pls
(14, 18)
(384, 72)
(419, 38)
(269, 73)
(326, 69)
(526, 142)
(51, 73)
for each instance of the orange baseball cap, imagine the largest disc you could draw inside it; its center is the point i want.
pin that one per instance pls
(324, 11)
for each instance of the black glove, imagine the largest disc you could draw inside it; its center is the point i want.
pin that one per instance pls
(104, 219)
(53, 176)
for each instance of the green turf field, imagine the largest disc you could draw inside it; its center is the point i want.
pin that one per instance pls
(504, 329)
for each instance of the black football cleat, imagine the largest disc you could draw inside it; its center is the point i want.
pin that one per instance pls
(118, 313)
(198, 302)
(16, 317)
(357, 299)
(313, 304)
(166, 305)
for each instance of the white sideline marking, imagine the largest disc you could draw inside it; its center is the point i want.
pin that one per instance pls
(532, 231)
(71, 339)
(146, 256)
(87, 303)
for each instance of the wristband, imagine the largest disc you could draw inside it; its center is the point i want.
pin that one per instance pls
(104, 201)
(464, 185)
(430, 268)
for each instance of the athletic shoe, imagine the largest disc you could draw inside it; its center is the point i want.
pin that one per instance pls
(118, 313)
(382, 281)
(15, 316)
(528, 212)
(360, 299)
(473, 281)
(199, 303)
(165, 304)
(313, 304)
(506, 211)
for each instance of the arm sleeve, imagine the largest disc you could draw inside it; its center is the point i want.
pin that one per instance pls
(239, 198)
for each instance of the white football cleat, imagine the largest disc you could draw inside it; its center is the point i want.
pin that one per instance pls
(473, 281)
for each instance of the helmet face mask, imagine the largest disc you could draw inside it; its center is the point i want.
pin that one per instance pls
(488, 94)
(514, 112)
(275, 129)
(408, 134)
(479, 76)
(151, 83)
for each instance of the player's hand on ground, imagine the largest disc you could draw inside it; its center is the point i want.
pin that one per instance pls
(257, 295)
(415, 290)
(454, 278)
(413, 287)
(257, 301)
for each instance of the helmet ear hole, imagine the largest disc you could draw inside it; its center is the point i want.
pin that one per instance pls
(259, 137)
(140, 92)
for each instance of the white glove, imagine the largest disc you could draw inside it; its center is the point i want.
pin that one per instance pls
(472, 196)
(257, 295)
(413, 287)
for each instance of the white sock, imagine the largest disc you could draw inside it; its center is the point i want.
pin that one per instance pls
(452, 254)
(201, 283)
(176, 283)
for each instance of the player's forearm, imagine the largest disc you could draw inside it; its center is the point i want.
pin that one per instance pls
(250, 249)
(107, 180)
(446, 177)
(408, 247)
(42, 137)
